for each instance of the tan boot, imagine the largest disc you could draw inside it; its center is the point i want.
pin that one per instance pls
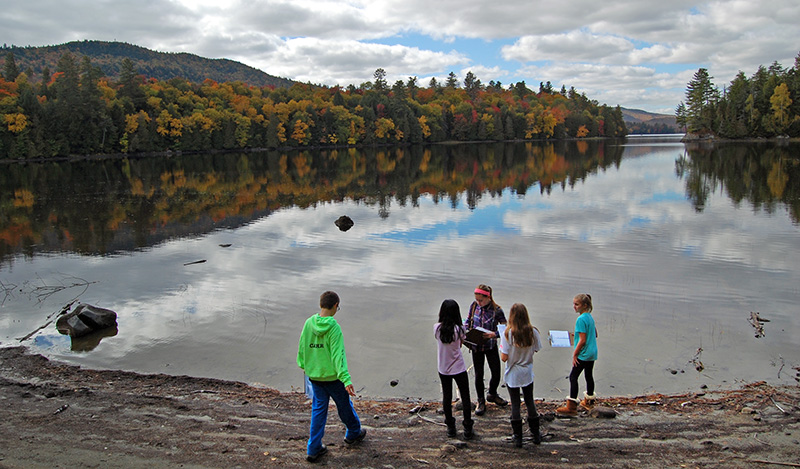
(588, 401)
(570, 409)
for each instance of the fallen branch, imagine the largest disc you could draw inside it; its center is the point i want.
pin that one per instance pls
(50, 319)
(777, 463)
(431, 420)
(755, 437)
(776, 404)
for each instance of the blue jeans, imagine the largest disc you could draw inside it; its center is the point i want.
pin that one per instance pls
(323, 392)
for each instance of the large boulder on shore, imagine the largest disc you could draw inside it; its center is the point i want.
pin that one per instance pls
(86, 319)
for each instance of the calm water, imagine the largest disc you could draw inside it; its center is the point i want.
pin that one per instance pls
(677, 245)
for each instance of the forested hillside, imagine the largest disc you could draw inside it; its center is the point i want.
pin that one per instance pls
(107, 56)
(766, 104)
(643, 122)
(79, 110)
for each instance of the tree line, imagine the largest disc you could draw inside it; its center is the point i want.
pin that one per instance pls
(77, 110)
(766, 104)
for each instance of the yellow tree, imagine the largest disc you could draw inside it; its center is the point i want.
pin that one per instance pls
(16, 122)
(383, 128)
(781, 102)
(168, 125)
(423, 125)
(300, 134)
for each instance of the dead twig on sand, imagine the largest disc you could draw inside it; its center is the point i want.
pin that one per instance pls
(755, 437)
(431, 420)
(777, 463)
(776, 404)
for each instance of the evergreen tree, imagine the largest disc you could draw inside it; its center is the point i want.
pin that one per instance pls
(680, 116)
(380, 85)
(452, 81)
(412, 87)
(472, 85)
(701, 100)
(131, 86)
(10, 70)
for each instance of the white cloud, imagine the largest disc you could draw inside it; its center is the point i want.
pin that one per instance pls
(573, 46)
(342, 42)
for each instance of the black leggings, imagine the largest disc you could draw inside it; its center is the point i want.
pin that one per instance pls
(493, 357)
(462, 381)
(586, 368)
(527, 394)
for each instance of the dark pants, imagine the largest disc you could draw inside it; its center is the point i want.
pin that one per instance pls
(585, 368)
(462, 381)
(493, 358)
(527, 393)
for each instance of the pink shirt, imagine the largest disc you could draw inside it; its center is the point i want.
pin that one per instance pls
(451, 362)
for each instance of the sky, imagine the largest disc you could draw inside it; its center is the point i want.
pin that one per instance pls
(638, 54)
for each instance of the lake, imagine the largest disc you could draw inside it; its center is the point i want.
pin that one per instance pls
(214, 261)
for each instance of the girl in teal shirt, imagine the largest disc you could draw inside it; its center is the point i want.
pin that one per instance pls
(583, 357)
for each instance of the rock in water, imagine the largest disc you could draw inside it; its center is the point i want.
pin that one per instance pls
(85, 320)
(344, 223)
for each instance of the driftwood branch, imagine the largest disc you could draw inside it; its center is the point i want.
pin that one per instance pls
(50, 320)
(41, 291)
(776, 404)
(431, 420)
(777, 463)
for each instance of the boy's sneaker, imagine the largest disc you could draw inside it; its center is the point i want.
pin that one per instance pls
(357, 438)
(496, 399)
(315, 457)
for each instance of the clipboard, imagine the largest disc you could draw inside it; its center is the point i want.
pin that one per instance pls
(475, 336)
(560, 339)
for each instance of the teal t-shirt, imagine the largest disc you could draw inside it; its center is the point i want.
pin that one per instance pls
(585, 324)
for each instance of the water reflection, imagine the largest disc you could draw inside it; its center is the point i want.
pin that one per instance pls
(537, 222)
(765, 176)
(112, 206)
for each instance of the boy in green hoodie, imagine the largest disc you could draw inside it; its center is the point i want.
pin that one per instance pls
(321, 355)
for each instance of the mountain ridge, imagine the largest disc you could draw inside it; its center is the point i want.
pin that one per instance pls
(108, 56)
(639, 121)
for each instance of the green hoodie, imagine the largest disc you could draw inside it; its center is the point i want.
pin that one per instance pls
(320, 352)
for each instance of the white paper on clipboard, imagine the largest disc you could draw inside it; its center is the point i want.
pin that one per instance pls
(501, 331)
(560, 339)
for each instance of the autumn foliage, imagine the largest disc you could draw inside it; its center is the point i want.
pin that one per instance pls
(78, 111)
